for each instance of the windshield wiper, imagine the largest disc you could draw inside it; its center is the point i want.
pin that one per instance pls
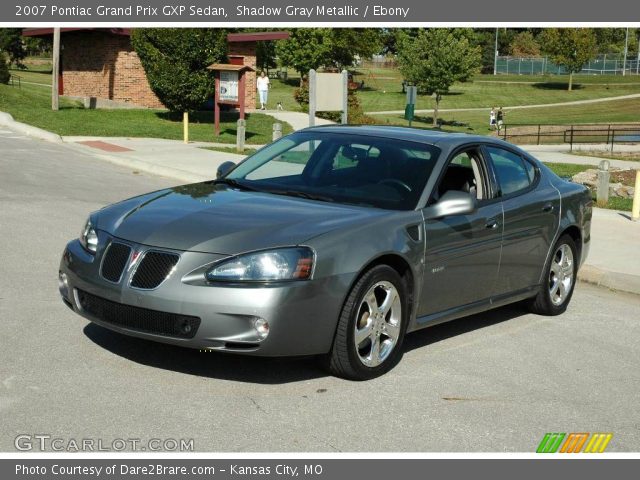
(296, 193)
(234, 183)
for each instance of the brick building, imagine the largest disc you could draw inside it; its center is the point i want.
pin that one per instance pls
(101, 64)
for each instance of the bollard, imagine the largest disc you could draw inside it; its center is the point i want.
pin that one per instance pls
(240, 135)
(602, 196)
(635, 209)
(277, 131)
(185, 126)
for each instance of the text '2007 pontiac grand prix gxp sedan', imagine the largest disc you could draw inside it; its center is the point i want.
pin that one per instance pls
(333, 241)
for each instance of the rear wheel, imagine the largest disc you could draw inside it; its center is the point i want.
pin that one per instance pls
(559, 279)
(371, 328)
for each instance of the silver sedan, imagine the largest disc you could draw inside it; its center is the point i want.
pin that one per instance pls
(333, 241)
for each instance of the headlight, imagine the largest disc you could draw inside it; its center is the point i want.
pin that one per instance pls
(89, 238)
(280, 264)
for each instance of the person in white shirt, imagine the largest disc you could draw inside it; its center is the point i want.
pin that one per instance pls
(263, 89)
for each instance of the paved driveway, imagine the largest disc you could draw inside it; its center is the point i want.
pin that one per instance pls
(492, 382)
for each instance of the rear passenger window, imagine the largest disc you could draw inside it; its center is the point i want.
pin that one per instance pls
(514, 173)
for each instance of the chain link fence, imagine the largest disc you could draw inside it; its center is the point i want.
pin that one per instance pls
(605, 64)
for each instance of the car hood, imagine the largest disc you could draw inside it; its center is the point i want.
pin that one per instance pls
(206, 217)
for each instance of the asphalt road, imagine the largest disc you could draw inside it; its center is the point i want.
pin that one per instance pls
(493, 382)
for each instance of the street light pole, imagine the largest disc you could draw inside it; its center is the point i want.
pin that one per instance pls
(55, 70)
(626, 49)
(495, 55)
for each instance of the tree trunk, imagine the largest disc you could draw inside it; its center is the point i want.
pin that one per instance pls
(570, 81)
(435, 111)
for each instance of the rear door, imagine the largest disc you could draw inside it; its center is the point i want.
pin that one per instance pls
(530, 206)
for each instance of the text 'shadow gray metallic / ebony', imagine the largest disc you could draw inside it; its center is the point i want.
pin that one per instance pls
(334, 241)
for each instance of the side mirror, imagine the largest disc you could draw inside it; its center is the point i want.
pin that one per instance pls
(453, 202)
(225, 168)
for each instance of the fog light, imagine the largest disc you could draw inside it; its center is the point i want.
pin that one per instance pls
(261, 326)
(63, 284)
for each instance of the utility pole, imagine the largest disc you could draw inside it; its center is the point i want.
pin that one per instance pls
(56, 70)
(495, 55)
(626, 49)
(638, 59)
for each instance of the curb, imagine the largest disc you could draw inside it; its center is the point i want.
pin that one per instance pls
(147, 167)
(6, 120)
(621, 282)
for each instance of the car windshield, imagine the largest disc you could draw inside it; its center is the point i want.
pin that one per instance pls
(343, 168)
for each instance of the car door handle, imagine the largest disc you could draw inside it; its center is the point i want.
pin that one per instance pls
(548, 207)
(493, 223)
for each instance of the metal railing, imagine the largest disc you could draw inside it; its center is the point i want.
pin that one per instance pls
(538, 134)
(15, 80)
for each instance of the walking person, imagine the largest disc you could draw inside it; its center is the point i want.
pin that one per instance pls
(263, 90)
(492, 119)
(500, 119)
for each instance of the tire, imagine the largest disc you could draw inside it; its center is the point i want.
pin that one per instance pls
(558, 283)
(388, 326)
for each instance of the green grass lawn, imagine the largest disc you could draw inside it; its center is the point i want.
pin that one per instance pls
(477, 122)
(568, 169)
(383, 90)
(32, 104)
(43, 78)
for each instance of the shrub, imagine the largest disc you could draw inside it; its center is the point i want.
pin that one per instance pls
(176, 60)
(355, 114)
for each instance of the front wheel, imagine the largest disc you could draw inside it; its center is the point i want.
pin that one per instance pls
(559, 279)
(371, 327)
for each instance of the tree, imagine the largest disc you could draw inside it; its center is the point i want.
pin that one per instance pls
(524, 45)
(266, 55)
(436, 59)
(345, 44)
(11, 44)
(570, 48)
(308, 48)
(4, 70)
(176, 60)
(303, 50)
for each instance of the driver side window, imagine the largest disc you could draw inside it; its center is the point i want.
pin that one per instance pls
(464, 173)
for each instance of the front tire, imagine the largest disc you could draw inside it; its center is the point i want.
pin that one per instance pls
(371, 327)
(559, 279)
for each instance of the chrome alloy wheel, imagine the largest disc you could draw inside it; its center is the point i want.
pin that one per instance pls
(377, 325)
(561, 274)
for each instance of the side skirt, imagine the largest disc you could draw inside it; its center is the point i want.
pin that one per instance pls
(473, 308)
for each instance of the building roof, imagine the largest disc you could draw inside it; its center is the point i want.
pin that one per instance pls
(45, 32)
(229, 66)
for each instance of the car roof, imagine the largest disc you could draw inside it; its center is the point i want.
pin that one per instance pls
(432, 137)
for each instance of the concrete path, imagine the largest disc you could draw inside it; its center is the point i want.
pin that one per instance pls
(167, 158)
(550, 156)
(613, 259)
(515, 107)
(297, 120)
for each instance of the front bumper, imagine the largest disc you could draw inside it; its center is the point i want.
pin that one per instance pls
(302, 316)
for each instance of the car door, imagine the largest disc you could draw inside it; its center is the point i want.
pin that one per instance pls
(462, 252)
(530, 206)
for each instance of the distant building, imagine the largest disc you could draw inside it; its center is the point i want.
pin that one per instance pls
(100, 63)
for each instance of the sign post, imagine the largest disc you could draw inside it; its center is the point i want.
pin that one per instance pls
(410, 108)
(230, 88)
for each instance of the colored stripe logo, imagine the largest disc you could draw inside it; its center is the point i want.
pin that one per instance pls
(574, 442)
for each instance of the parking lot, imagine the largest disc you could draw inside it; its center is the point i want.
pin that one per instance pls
(493, 382)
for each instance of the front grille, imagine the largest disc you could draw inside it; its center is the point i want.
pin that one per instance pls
(114, 261)
(138, 318)
(154, 268)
